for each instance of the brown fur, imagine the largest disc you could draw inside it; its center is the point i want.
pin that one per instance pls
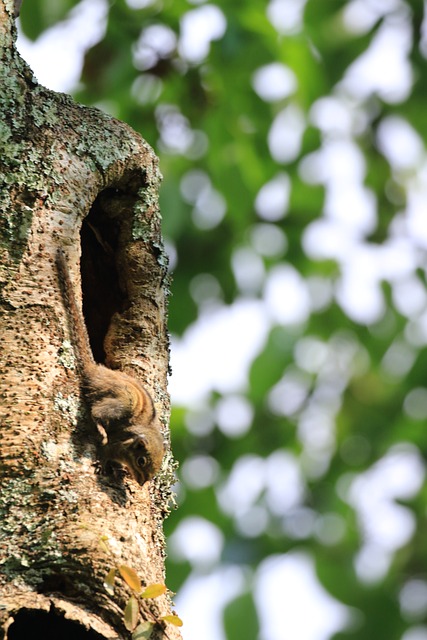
(121, 408)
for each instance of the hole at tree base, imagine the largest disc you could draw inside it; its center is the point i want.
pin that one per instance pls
(32, 624)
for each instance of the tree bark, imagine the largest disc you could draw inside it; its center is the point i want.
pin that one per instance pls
(75, 178)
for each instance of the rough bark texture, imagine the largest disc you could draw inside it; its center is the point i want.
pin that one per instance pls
(72, 177)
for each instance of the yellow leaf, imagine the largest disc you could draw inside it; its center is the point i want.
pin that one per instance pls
(130, 577)
(103, 544)
(176, 620)
(131, 614)
(153, 591)
(109, 581)
(143, 631)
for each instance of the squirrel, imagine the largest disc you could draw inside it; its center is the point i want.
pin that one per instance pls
(121, 408)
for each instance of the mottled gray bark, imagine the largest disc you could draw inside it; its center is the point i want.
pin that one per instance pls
(75, 178)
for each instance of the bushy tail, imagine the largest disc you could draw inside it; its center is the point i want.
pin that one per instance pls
(77, 322)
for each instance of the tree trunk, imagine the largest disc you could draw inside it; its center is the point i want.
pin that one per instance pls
(76, 179)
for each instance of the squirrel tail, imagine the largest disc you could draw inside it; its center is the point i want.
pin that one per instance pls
(77, 322)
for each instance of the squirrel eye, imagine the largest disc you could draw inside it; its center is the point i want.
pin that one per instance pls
(141, 461)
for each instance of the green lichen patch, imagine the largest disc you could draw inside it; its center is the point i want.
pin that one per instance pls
(66, 355)
(68, 406)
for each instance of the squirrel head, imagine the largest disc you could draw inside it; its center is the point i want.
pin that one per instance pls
(143, 455)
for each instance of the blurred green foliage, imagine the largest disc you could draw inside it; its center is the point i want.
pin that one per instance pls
(358, 375)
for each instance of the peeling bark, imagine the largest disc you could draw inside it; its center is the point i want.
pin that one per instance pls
(75, 178)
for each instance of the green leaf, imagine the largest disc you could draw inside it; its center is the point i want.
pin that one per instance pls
(131, 614)
(38, 15)
(143, 631)
(109, 581)
(130, 577)
(153, 591)
(241, 619)
(268, 367)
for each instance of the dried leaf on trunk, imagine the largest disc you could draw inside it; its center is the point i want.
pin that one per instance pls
(130, 577)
